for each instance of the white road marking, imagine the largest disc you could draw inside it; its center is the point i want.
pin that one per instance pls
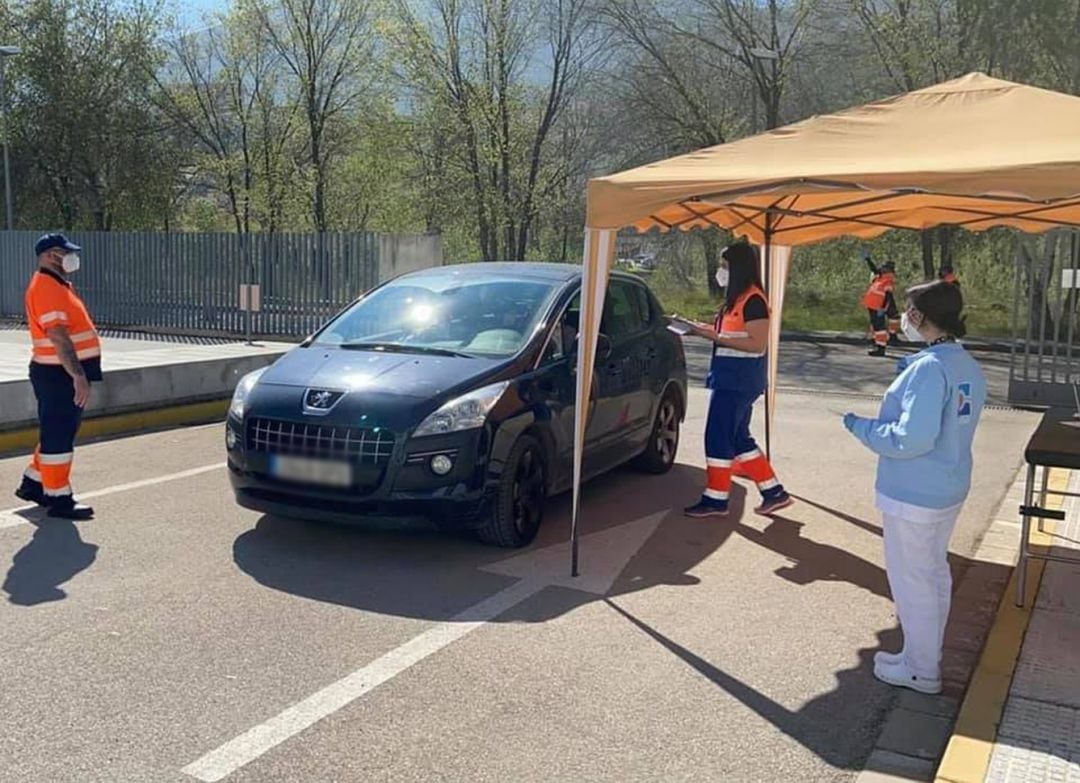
(604, 556)
(11, 517)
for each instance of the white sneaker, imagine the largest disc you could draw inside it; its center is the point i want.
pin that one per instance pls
(900, 675)
(888, 658)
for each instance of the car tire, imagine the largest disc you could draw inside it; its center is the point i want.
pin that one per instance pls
(518, 508)
(663, 445)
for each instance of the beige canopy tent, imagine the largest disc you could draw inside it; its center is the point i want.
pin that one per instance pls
(975, 152)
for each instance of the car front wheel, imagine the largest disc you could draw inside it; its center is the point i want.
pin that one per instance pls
(519, 505)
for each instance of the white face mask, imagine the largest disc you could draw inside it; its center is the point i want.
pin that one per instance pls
(909, 330)
(70, 263)
(722, 276)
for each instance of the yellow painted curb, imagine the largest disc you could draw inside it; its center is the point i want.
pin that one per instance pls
(123, 423)
(967, 756)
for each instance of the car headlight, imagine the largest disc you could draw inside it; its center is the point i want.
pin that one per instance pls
(467, 412)
(243, 389)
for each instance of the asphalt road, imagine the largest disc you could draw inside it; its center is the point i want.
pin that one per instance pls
(136, 646)
(844, 369)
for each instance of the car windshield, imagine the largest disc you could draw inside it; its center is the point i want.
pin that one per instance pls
(444, 313)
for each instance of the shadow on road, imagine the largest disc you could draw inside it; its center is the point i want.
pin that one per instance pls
(812, 561)
(830, 725)
(55, 555)
(435, 577)
(431, 576)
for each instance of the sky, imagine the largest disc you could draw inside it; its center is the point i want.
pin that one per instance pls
(189, 13)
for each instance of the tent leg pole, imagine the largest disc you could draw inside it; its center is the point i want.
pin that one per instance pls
(574, 543)
(768, 295)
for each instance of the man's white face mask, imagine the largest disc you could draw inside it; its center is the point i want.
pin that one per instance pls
(722, 276)
(70, 263)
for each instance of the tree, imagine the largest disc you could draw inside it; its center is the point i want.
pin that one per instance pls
(504, 72)
(83, 127)
(329, 47)
(222, 90)
(676, 94)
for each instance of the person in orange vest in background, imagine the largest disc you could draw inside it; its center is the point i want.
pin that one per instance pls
(880, 303)
(738, 375)
(947, 275)
(66, 359)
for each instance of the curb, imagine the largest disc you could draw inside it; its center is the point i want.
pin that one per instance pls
(849, 338)
(125, 424)
(971, 745)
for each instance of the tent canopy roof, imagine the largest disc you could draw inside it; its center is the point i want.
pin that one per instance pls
(976, 152)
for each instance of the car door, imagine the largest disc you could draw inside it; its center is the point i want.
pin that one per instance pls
(619, 380)
(627, 319)
(553, 389)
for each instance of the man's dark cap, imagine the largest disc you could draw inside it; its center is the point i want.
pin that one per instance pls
(50, 241)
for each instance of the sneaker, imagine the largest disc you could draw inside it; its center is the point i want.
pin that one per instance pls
(888, 658)
(894, 340)
(31, 492)
(67, 508)
(704, 509)
(877, 350)
(770, 506)
(900, 675)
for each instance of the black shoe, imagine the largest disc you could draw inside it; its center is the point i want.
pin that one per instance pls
(878, 350)
(894, 340)
(67, 508)
(31, 492)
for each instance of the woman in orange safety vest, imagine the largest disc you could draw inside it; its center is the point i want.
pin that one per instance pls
(738, 375)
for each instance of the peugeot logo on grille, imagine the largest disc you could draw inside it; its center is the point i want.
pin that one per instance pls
(321, 401)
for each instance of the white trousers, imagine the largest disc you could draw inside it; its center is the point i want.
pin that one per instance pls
(916, 562)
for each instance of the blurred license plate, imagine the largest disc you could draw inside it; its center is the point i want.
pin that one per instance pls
(312, 471)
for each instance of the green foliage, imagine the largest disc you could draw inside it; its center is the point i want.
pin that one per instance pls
(484, 119)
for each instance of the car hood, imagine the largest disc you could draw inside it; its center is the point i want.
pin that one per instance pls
(400, 374)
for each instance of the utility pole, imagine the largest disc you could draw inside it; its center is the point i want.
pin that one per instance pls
(5, 52)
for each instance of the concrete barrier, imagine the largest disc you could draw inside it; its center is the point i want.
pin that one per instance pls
(141, 388)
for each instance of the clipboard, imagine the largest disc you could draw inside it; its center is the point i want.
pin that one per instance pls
(680, 327)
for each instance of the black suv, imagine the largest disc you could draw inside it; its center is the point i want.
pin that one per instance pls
(448, 394)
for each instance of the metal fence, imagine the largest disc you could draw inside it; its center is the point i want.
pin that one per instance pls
(190, 283)
(1045, 367)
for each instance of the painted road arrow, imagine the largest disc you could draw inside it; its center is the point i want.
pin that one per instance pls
(604, 556)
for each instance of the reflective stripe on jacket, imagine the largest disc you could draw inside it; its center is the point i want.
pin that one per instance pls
(51, 301)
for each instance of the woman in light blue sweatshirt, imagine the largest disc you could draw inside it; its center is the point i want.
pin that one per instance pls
(922, 436)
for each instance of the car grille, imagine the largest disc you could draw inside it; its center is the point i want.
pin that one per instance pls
(365, 446)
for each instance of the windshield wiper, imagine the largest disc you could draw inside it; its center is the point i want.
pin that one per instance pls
(399, 348)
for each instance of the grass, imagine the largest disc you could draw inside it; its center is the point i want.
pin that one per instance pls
(827, 281)
(809, 312)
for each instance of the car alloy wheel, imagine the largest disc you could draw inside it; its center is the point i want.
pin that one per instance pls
(667, 430)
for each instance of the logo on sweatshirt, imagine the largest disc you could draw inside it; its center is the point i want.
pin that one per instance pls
(964, 401)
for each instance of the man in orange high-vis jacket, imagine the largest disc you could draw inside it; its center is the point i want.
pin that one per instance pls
(880, 303)
(66, 359)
